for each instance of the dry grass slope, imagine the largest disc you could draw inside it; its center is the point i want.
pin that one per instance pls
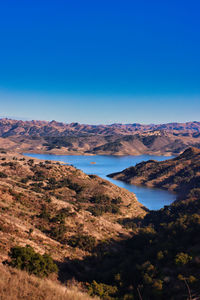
(17, 285)
(46, 205)
(180, 174)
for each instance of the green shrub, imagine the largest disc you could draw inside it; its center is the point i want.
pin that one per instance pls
(102, 290)
(44, 214)
(160, 255)
(182, 259)
(96, 210)
(24, 180)
(100, 199)
(117, 200)
(58, 232)
(195, 193)
(25, 258)
(3, 151)
(3, 175)
(61, 215)
(84, 242)
(30, 162)
(104, 204)
(10, 164)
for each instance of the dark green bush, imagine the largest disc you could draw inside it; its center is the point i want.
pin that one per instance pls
(61, 215)
(84, 242)
(30, 162)
(25, 258)
(100, 199)
(24, 180)
(8, 164)
(96, 210)
(102, 290)
(99, 209)
(3, 151)
(182, 259)
(58, 233)
(3, 175)
(44, 214)
(104, 204)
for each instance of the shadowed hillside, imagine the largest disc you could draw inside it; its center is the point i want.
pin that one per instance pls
(161, 259)
(181, 174)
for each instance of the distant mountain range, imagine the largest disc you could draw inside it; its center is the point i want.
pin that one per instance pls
(116, 139)
(9, 127)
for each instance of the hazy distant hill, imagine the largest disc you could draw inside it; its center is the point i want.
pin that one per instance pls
(10, 127)
(116, 139)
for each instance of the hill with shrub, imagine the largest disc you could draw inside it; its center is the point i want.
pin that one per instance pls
(58, 222)
(180, 174)
(51, 214)
(161, 260)
(18, 285)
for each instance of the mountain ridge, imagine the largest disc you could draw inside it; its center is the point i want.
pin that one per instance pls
(36, 127)
(82, 139)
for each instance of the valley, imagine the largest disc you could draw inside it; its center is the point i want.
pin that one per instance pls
(100, 240)
(99, 150)
(102, 165)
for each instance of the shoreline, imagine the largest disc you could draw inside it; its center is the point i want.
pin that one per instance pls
(63, 153)
(107, 177)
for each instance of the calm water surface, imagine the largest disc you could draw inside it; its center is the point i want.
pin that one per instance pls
(150, 197)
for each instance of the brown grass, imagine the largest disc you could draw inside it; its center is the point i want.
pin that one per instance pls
(17, 285)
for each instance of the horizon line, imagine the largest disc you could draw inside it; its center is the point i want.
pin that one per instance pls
(24, 119)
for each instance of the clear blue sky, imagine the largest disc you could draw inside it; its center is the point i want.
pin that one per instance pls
(100, 61)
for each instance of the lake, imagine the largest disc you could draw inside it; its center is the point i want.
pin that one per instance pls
(102, 165)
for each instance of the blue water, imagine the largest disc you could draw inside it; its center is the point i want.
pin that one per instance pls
(152, 198)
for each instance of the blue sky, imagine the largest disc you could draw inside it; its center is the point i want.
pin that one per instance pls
(100, 61)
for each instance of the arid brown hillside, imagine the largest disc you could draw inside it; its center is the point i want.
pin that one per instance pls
(49, 205)
(98, 233)
(10, 127)
(18, 285)
(115, 139)
(180, 174)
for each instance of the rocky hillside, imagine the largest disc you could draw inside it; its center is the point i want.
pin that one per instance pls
(58, 209)
(155, 143)
(181, 174)
(116, 139)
